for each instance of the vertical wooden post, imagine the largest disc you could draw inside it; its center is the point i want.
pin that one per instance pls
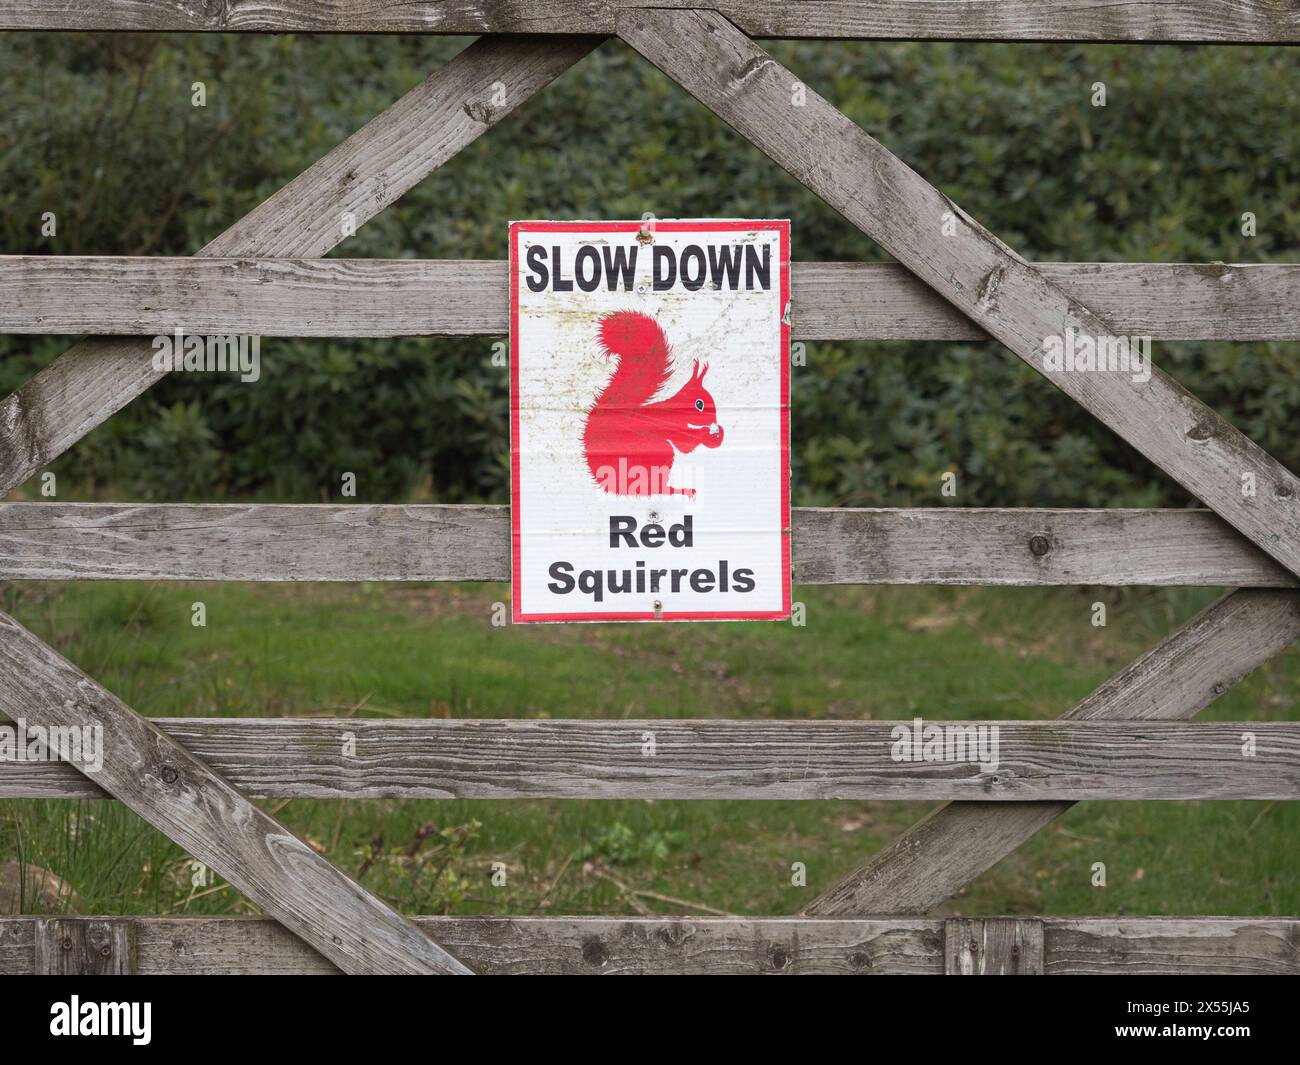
(993, 946)
(85, 946)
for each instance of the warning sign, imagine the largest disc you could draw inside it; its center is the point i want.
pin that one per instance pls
(650, 420)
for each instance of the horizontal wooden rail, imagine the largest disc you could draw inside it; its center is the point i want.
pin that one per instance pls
(447, 297)
(330, 758)
(1245, 21)
(362, 175)
(361, 542)
(1066, 946)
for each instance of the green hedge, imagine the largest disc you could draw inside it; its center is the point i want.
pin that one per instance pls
(101, 130)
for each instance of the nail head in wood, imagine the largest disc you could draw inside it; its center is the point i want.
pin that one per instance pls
(993, 946)
(85, 946)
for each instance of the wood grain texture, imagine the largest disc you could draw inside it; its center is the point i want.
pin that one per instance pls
(1256, 21)
(18, 945)
(1175, 680)
(194, 807)
(393, 152)
(1145, 946)
(971, 268)
(714, 759)
(612, 946)
(993, 946)
(361, 542)
(85, 946)
(470, 297)
(1167, 301)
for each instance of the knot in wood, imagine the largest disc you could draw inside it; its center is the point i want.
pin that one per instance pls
(594, 952)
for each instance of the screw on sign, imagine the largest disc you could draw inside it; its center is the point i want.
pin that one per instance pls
(650, 400)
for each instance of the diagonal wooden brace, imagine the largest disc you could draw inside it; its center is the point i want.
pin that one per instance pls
(966, 265)
(1175, 680)
(393, 152)
(197, 809)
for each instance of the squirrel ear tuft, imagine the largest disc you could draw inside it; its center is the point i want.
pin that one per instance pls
(701, 371)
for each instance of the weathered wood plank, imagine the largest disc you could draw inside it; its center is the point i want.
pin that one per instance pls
(85, 946)
(183, 798)
(1143, 946)
(550, 945)
(1022, 761)
(393, 152)
(993, 946)
(192, 946)
(412, 297)
(359, 542)
(970, 267)
(1175, 680)
(1253, 21)
(1166, 301)
(18, 945)
(1020, 547)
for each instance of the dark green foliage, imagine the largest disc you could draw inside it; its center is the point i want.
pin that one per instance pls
(101, 131)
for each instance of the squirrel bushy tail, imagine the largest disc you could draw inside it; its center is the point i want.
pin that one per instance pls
(643, 358)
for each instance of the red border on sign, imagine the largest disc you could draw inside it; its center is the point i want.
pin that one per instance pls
(680, 226)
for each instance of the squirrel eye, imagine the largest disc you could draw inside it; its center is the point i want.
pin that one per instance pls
(699, 404)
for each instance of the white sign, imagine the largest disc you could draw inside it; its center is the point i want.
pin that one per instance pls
(650, 420)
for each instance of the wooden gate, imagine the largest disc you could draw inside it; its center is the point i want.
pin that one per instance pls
(1130, 739)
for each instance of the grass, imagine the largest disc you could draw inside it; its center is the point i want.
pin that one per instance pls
(431, 650)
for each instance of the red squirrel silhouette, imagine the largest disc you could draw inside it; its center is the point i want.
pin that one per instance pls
(629, 442)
